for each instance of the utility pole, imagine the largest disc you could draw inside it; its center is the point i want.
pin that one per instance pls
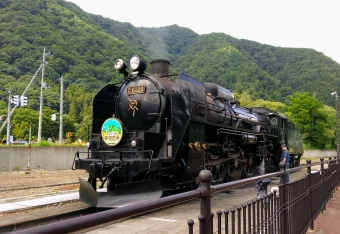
(61, 111)
(9, 115)
(41, 96)
(337, 127)
(29, 149)
(334, 94)
(337, 120)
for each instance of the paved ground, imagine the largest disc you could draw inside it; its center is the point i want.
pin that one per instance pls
(327, 223)
(173, 220)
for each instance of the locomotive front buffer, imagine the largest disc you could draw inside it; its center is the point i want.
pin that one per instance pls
(121, 192)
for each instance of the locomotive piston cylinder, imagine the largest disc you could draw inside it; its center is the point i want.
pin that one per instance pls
(248, 139)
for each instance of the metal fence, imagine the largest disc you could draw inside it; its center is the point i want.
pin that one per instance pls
(290, 210)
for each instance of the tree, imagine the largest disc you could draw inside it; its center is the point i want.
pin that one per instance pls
(309, 114)
(20, 130)
(276, 106)
(50, 129)
(245, 100)
(68, 126)
(21, 120)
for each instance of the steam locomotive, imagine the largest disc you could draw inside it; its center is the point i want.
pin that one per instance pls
(151, 136)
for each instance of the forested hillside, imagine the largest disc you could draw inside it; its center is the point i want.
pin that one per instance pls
(219, 61)
(83, 48)
(303, 70)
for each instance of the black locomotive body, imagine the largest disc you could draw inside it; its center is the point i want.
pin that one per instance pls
(154, 133)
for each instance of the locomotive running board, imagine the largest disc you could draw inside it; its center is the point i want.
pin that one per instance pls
(123, 195)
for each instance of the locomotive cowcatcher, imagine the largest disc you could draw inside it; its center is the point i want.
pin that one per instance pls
(151, 137)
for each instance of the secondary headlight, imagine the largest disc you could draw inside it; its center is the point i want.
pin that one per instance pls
(137, 63)
(133, 143)
(88, 145)
(120, 64)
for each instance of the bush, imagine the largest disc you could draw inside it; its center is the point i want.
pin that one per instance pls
(45, 143)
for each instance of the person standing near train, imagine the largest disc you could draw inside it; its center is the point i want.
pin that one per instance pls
(286, 159)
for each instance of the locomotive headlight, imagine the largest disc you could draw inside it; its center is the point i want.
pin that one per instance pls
(133, 143)
(137, 63)
(120, 65)
(88, 145)
(134, 62)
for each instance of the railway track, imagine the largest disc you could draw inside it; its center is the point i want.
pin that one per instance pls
(26, 221)
(38, 186)
(36, 191)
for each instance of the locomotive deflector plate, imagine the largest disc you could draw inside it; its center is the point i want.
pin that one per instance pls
(123, 195)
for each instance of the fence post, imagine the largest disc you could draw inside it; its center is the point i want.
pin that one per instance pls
(309, 172)
(322, 169)
(283, 199)
(275, 212)
(239, 219)
(201, 220)
(233, 221)
(244, 212)
(335, 179)
(205, 177)
(226, 221)
(191, 224)
(212, 222)
(258, 215)
(330, 163)
(249, 217)
(219, 221)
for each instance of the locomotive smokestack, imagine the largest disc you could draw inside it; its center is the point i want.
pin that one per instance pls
(160, 67)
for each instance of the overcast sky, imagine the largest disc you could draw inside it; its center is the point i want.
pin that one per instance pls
(285, 23)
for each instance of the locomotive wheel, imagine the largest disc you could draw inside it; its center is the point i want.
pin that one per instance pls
(219, 173)
(235, 170)
(194, 184)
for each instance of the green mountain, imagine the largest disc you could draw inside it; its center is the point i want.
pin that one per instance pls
(215, 58)
(297, 69)
(83, 48)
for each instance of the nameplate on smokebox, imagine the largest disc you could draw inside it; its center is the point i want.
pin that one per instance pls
(136, 90)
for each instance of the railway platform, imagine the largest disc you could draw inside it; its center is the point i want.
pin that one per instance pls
(33, 203)
(327, 222)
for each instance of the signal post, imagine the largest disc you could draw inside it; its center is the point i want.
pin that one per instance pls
(15, 101)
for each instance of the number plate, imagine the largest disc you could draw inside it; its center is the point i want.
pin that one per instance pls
(136, 90)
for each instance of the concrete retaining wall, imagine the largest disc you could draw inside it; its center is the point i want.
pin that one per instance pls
(53, 158)
(47, 158)
(319, 153)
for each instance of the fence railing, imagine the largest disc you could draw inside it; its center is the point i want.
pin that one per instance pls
(292, 209)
